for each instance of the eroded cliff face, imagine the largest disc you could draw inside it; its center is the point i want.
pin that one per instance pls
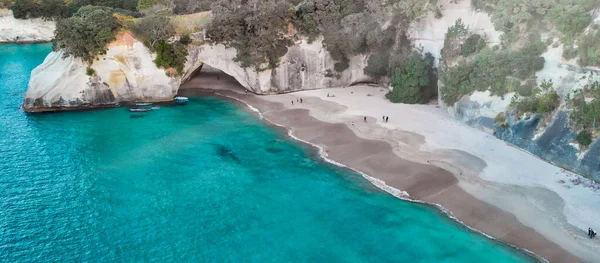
(127, 73)
(24, 30)
(549, 137)
(305, 66)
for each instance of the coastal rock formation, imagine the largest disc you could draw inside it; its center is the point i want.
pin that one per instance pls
(127, 73)
(305, 66)
(14, 30)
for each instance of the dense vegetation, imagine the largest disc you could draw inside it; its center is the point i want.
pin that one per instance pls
(155, 30)
(260, 31)
(541, 100)
(584, 138)
(589, 48)
(569, 17)
(87, 32)
(498, 71)
(57, 9)
(415, 82)
(586, 113)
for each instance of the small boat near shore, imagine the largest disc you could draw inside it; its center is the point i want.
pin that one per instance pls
(181, 100)
(140, 109)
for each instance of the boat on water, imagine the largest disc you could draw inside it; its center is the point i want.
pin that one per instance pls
(181, 100)
(143, 104)
(140, 109)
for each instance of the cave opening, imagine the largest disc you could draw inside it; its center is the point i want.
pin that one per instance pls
(207, 78)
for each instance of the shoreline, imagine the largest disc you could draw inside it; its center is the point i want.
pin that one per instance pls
(26, 42)
(549, 253)
(487, 185)
(402, 195)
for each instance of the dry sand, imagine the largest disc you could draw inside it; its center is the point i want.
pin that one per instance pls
(489, 186)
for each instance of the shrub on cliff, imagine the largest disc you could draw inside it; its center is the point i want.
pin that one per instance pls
(492, 70)
(171, 55)
(378, 65)
(47, 9)
(86, 34)
(586, 112)
(589, 49)
(58, 9)
(412, 83)
(543, 100)
(255, 28)
(584, 138)
(154, 29)
(472, 45)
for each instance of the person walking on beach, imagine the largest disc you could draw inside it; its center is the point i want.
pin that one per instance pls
(387, 118)
(365, 118)
(292, 102)
(383, 118)
(300, 100)
(352, 124)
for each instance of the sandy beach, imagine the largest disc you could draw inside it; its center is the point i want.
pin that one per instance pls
(429, 157)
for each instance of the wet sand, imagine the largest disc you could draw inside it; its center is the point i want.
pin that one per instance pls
(422, 181)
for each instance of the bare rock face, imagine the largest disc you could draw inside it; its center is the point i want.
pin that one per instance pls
(24, 30)
(126, 73)
(305, 66)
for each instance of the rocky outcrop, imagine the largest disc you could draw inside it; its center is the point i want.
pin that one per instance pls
(305, 66)
(127, 73)
(24, 30)
(429, 32)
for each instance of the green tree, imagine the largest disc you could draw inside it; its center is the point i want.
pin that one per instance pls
(171, 55)
(472, 45)
(378, 65)
(584, 138)
(411, 83)
(153, 29)
(86, 34)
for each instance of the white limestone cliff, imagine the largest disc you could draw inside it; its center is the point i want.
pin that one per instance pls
(305, 66)
(127, 73)
(14, 30)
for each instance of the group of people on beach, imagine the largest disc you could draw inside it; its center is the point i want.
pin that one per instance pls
(385, 118)
(297, 100)
(591, 233)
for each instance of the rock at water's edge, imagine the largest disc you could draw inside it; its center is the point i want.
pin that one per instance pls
(128, 73)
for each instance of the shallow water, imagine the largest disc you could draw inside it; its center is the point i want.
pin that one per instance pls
(205, 182)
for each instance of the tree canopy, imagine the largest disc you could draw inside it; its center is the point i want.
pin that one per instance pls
(87, 32)
(413, 83)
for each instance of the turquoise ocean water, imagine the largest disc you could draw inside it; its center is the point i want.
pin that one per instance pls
(206, 182)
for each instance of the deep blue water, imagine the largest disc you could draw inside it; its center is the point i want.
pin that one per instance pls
(205, 182)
